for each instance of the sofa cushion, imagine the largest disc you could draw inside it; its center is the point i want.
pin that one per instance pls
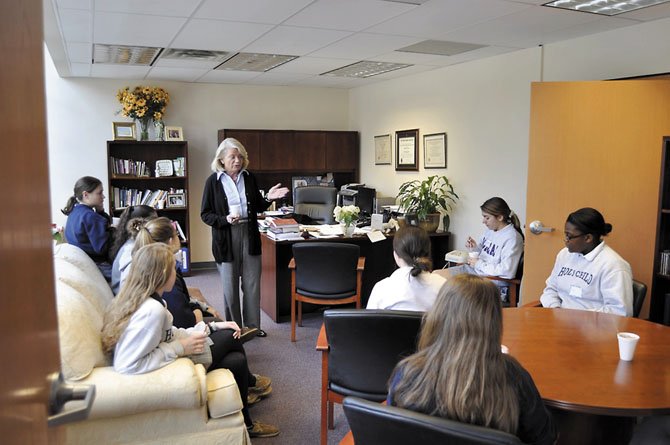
(223, 396)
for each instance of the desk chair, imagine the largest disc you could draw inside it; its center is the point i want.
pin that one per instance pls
(514, 284)
(315, 201)
(372, 423)
(326, 274)
(639, 292)
(360, 349)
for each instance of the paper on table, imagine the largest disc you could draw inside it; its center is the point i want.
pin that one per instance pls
(375, 236)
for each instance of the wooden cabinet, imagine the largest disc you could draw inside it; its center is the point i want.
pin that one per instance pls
(660, 289)
(133, 181)
(279, 155)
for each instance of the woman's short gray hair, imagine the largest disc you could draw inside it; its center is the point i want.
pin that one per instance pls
(226, 145)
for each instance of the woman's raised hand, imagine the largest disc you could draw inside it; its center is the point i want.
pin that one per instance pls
(470, 243)
(194, 343)
(277, 192)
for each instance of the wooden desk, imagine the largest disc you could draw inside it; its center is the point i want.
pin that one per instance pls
(379, 264)
(573, 357)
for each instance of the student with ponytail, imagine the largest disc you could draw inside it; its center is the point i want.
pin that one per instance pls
(412, 286)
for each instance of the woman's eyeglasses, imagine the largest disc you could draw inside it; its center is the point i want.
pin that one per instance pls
(569, 237)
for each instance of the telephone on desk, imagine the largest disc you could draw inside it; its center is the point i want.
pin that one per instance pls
(456, 256)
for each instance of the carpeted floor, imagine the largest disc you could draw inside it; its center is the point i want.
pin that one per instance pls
(295, 369)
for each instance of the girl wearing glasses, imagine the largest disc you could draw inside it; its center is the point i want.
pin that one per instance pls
(588, 274)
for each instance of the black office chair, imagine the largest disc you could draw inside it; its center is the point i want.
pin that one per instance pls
(372, 423)
(639, 292)
(325, 274)
(363, 348)
(315, 201)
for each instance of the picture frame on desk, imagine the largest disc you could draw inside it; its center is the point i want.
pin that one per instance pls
(406, 150)
(123, 131)
(435, 150)
(174, 133)
(176, 200)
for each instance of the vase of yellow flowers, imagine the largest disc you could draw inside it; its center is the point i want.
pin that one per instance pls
(347, 216)
(143, 104)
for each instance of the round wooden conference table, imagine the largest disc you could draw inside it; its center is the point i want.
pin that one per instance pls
(573, 357)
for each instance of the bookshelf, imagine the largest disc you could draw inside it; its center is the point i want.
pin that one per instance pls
(132, 168)
(660, 289)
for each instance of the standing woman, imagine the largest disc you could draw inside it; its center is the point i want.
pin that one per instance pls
(460, 373)
(236, 242)
(88, 226)
(588, 274)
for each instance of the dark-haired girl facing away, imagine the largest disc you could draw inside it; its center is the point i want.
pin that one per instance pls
(588, 274)
(88, 226)
(460, 373)
(411, 287)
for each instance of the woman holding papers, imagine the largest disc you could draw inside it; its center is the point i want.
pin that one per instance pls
(588, 274)
(230, 202)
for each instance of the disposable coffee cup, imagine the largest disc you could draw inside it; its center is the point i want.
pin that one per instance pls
(473, 255)
(627, 343)
(235, 210)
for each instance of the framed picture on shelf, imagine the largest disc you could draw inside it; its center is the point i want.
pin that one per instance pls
(174, 134)
(383, 149)
(176, 200)
(406, 150)
(123, 131)
(435, 150)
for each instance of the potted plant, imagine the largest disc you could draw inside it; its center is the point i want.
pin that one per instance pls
(427, 199)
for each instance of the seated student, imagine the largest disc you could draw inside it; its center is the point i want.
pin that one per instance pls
(122, 246)
(138, 329)
(588, 274)
(411, 287)
(500, 248)
(460, 373)
(88, 226)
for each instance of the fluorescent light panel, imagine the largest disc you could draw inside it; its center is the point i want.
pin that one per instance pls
(440, 47)
(604, 7)
(195, 54)
(254, 62)
(365, 68)
(124, 55)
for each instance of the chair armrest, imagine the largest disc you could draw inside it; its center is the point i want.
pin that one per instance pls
(223, 395)
(322, 340)
(535, 303)
(291, 264)
(197, 294)
(361, 263)
(506, 280)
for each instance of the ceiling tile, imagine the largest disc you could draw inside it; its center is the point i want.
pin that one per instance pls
(313, 65)
(173, 8)
(119, 71)
(254, 11)
(218, 35)
(79, 52)
(74, 4)
(181, 74)
(134, 29)
(350, 15)
(80, 69)
(271, 78)
(223, 76)
(363, 45)
(295, 41)
(76, 25)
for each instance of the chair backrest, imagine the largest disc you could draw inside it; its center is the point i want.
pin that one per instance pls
(373, 423)
(639, 292)
(365, 346)
(326, 270)
(316, 201)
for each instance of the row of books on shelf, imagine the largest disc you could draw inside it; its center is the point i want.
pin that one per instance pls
(159, 199)
(664, 268)
(129, 167)
(163, 167)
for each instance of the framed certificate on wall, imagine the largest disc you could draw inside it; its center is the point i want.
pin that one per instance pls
(407, 152)
(383, 149)
(435, 150)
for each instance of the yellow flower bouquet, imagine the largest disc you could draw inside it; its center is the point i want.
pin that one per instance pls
(143, 104)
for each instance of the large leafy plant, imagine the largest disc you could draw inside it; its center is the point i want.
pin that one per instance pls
(434, 194)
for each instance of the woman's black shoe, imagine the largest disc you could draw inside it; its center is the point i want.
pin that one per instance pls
(261, 333)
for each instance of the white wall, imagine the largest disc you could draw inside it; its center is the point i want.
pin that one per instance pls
(80, 113)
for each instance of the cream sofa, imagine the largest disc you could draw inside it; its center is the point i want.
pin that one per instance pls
(177, 404)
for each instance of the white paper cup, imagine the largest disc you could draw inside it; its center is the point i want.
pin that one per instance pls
(474, 255)
(235, 210)
(627, 343)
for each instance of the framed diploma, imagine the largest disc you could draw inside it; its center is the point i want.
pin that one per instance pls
(435, 150)
(383, 149)
(407, 152)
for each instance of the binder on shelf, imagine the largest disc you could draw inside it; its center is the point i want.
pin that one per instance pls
(180, 232)
(185, 260)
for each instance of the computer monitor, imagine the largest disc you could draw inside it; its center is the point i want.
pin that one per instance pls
(365, 200)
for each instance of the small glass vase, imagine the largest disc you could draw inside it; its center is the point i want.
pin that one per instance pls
(348, 229)
(160, 130)
(144, 128)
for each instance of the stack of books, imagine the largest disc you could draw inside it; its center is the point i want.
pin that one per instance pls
(283, 228)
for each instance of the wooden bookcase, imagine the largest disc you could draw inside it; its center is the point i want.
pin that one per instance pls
(279, 155)
(149, 152)
(660, 288)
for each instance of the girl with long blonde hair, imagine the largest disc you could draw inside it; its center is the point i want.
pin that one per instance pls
(460, 373)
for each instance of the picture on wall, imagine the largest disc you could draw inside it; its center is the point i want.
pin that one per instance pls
(383, 151)
(435, 150)
(406, 150)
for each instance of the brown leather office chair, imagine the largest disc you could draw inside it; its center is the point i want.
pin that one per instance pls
(360, 349)
(315, 201)
(325, 274)
(372, 423)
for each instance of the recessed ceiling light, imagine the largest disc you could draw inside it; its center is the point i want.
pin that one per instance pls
(440, 47)
(195, 54)
(365, 68)
(124, 55)
(254, 62)
(604, 7)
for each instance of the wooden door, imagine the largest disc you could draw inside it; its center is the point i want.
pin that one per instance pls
(28, 327)
(595, 144)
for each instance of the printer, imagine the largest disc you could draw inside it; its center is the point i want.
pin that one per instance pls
(359, 195)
